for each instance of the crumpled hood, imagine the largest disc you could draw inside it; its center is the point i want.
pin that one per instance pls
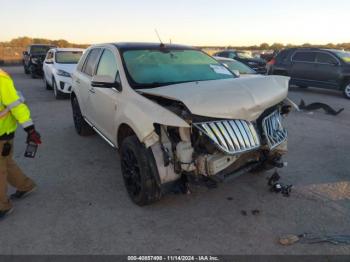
(239, 98)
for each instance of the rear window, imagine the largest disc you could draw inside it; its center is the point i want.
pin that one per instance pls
(304, 57)
(326, 59)
(40, 49)
(343, 55)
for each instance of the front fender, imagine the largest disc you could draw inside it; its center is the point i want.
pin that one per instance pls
(140, 114)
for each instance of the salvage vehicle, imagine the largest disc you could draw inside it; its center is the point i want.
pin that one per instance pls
(236, 67)
(257, 64)
(33, 59)
(177, 116)
(58, 67)
(315, 67)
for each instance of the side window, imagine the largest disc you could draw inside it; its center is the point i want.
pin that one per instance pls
(107, 65)
(90, 64)
(231, 55)
(325, 59)
(49, 55)
(304, 57)
(282, 56)
(82, 61)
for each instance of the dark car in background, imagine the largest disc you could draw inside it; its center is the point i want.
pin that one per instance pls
(33, 59)
(322, 68)
(257, 64)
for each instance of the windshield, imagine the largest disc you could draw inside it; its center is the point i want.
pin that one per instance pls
(244, 55)
(240, 67)
(153, 68)
(68, 57)
(343, 55)
(40, 49)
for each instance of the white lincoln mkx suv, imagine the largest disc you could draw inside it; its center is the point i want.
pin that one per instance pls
(177, 115)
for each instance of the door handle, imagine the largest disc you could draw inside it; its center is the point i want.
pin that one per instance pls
(92, 90)
(77, 81)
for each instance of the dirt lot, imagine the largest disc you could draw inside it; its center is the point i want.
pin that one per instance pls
(81, 206)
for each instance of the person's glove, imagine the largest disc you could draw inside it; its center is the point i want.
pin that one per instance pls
(33, 136)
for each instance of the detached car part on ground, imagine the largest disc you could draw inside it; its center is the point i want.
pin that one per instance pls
(177, 115)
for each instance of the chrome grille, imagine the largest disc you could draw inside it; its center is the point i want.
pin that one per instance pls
(274, 132)
(231, 136)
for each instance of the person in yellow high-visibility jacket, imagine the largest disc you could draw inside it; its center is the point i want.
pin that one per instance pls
(13, 110)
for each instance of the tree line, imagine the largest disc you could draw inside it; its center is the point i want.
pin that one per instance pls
(279, 46)
(23, 42)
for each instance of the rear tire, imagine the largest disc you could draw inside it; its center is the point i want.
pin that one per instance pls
(139, 171)
(81, 127)
(26, 71)
(346, 90)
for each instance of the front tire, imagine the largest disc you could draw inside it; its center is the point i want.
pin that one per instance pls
(57, 93)
(26, 71)
(81, 127)
(47, 85)
(139, 172)
(32, 72)
(346, 90)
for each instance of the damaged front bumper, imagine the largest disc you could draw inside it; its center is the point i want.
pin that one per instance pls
(220, 148)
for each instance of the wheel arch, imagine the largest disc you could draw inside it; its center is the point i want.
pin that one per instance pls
(72, 96)
(345, 81)
(124, 131)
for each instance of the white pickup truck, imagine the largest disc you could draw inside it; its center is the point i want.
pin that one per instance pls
(177, 115)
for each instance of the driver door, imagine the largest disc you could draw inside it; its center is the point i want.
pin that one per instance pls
(103, 101)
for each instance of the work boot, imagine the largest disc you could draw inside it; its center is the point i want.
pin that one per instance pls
(22, 194)
(5, 213)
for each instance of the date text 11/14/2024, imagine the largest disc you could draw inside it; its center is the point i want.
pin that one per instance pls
(173, 258)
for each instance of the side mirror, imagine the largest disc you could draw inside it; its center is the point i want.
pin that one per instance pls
(25, 53)
(237, 73)
(104, 81)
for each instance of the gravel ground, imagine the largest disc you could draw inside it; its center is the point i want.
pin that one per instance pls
(81, 206)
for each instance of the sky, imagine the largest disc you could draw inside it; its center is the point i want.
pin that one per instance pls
(192, 22)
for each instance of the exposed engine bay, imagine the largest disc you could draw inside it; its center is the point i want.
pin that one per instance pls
(213, 147)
